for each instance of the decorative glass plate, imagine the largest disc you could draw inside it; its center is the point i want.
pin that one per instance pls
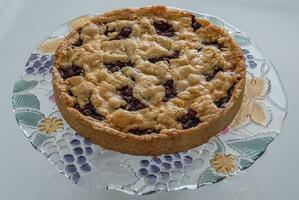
(234, 149)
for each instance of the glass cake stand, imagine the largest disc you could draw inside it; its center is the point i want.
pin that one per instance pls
(233, 150)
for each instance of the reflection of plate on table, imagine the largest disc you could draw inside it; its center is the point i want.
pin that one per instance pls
(236, 148)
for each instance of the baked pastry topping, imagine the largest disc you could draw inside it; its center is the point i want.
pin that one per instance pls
(145, 72)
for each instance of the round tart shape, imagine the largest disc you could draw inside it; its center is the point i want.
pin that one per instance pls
(148, 81)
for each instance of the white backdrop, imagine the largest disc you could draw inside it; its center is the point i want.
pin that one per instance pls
(272, 24)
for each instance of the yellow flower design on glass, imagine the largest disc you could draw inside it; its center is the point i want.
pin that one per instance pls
(50, 125)
(225, 164)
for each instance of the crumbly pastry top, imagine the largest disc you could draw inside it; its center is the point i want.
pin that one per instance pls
(148, 70)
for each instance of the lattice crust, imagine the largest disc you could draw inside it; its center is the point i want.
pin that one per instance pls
(146, 70)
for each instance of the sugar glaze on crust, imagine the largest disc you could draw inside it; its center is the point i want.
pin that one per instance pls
(148, 81)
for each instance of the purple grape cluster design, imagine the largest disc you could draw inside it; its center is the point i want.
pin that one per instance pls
(39, 64)
(249, 59)
(162, 170)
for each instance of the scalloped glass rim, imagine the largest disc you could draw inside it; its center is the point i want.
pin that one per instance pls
(91, 166)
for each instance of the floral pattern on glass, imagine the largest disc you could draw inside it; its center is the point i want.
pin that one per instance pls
(50, 125)
(90, 165)
(224, 164)
(253, 108)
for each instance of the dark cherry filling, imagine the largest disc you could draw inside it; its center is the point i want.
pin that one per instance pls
(74, 70)
(116, 66)
(214, 43)
(221, 103)
(123, 34)
(174, 55)
(163, 28)
(136, 131)
(79, 42)
(169, 90)
(133, 104)
(106, 32)
(189, 120)
(79, 30)
(69, 92)
(195, 25)
(89, 110)
(199, 49)
(211, 74)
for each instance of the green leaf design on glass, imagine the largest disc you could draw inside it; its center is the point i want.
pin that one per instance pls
(38, 139)
(220, 146)
(244, 164)
(23, 85)
(208, 176)
(252, 148)
(25, 101)
(241, 39)
(29, 118)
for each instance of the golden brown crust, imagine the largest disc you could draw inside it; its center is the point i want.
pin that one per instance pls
(169, 140)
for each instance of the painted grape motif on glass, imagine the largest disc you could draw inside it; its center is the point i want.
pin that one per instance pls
(233, 150)
(39, 64)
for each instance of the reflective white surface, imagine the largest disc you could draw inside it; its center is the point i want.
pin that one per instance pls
(271, 24)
